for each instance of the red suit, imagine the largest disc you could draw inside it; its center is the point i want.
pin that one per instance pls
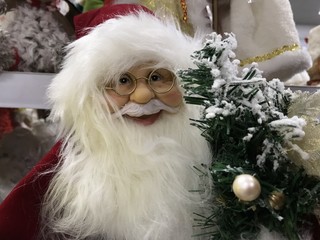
(19, 212)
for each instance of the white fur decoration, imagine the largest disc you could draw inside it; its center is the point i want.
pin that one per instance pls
(7, 53)
(38, 38)
(299, 79)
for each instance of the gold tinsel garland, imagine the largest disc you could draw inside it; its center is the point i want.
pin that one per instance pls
(270, 55)
(307, 106)
(177, 9)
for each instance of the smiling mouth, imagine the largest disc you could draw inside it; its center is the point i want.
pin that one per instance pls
(145, 119)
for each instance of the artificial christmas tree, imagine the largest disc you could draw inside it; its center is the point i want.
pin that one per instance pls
(255, 183)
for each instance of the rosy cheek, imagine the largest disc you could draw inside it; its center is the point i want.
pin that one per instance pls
(113, 99)
(172, 98)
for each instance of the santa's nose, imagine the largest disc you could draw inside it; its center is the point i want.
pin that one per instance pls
(142, 94)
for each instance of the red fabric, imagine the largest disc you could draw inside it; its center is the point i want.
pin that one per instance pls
(19, 212)
(108, 2)
(83, 22)
(17, 59)
(6, 121)
(315, 227)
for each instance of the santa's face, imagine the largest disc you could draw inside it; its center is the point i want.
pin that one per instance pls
(133, 166)
(142, 77)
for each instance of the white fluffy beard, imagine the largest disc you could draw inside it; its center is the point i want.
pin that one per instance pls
(135, 182)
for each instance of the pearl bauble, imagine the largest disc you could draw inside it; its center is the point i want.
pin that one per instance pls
(246, 187)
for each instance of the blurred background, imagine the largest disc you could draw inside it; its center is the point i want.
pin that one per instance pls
(306, 15)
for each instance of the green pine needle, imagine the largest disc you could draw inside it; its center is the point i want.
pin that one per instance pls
(242, 121)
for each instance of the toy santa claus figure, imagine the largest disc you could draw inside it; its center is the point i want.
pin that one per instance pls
(125, 163)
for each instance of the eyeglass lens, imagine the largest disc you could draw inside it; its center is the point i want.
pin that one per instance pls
(160, 80)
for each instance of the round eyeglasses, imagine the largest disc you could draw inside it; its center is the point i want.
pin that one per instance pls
(159, 80)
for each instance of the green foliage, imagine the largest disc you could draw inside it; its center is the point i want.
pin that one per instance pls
(244, 120)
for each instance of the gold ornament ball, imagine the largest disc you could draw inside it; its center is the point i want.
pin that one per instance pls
(277, 200)
(246, 187)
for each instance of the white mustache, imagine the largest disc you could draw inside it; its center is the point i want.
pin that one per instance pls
(138, 110)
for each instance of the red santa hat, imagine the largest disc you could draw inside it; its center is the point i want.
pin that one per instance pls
(86, 21)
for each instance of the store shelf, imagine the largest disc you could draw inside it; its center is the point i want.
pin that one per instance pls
(304, 88)
(24, 89)
(28, 90)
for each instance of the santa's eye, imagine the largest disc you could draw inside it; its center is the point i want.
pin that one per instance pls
(125, 80)
(155, 77)
(125, 85)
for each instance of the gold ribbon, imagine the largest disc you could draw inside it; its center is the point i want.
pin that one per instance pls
(270, 55)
